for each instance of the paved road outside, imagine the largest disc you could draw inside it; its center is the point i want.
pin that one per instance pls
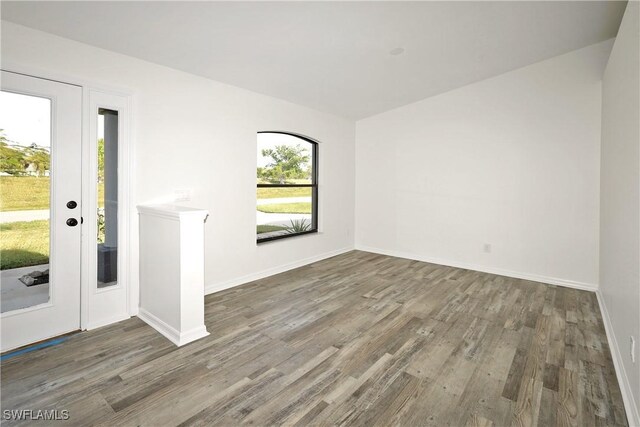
(14, 216)
(282, 219)
(278, 218)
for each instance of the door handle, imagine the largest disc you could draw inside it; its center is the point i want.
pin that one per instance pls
(72, 222)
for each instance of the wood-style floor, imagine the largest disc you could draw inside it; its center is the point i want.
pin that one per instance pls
(358, 339)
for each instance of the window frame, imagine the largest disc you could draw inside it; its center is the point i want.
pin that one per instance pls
(313, 186)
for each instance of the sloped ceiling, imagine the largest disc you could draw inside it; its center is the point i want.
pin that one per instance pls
(338, 57)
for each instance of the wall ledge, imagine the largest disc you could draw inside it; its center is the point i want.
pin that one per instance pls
(173, 212)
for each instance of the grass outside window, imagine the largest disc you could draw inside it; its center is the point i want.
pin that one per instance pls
(24, 243)
(269, 228)
(280, 192)
(26, 193)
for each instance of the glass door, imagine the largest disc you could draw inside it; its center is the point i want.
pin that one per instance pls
(40, 222)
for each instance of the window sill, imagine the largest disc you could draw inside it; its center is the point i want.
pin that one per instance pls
(285, 236)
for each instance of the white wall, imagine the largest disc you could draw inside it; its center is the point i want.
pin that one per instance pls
(512, 161)
(194, 133)
(620, 199)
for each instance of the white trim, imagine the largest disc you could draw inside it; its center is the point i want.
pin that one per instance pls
(170, 333)
(19, 311)
(111, 304)
(67, 78)
(592, 287)
(106, 322)
(126, 214)
(633, 416)
(220, 286)
(129, 197)
(84, 208)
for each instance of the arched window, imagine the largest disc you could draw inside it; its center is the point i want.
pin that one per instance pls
(287, 198)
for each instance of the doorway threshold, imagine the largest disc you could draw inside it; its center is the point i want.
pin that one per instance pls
(37, 346)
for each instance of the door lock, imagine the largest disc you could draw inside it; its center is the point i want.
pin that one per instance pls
(72, 204)
(72, 222)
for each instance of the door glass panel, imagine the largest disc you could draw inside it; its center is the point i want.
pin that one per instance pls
(25, 153)
(107, 198)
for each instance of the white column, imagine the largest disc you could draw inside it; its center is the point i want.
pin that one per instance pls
(172, 271)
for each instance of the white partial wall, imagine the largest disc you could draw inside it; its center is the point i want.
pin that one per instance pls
(620, 204)
(193, 133)
(511, 162)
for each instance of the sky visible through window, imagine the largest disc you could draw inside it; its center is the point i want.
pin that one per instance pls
(25, 119)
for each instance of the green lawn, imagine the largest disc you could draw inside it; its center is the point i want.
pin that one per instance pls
(277, 192)
(293, 208)
(268, 228)
(24, 243)
(23, 193)
(288, 181)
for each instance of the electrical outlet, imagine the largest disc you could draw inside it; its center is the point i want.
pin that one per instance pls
(487, 248)
(632, 349)
(182, 195)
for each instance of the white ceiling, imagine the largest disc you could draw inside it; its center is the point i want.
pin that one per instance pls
(332, 56)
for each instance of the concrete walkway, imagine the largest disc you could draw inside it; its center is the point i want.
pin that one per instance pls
(15, 294)
(279, 218)
(280, 200)
(14, 216)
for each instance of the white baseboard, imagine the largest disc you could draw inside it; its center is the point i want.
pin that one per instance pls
(217, 287)
(497, 271)
(105, 322)
(633, 416)
(173, 335)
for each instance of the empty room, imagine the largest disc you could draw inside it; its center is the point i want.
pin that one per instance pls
(321, 213)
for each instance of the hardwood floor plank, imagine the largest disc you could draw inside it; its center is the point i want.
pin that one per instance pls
(516, 372)
(567, 404)
(548, 411)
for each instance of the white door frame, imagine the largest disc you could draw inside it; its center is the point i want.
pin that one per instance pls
(105, 306)
(111, 304)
